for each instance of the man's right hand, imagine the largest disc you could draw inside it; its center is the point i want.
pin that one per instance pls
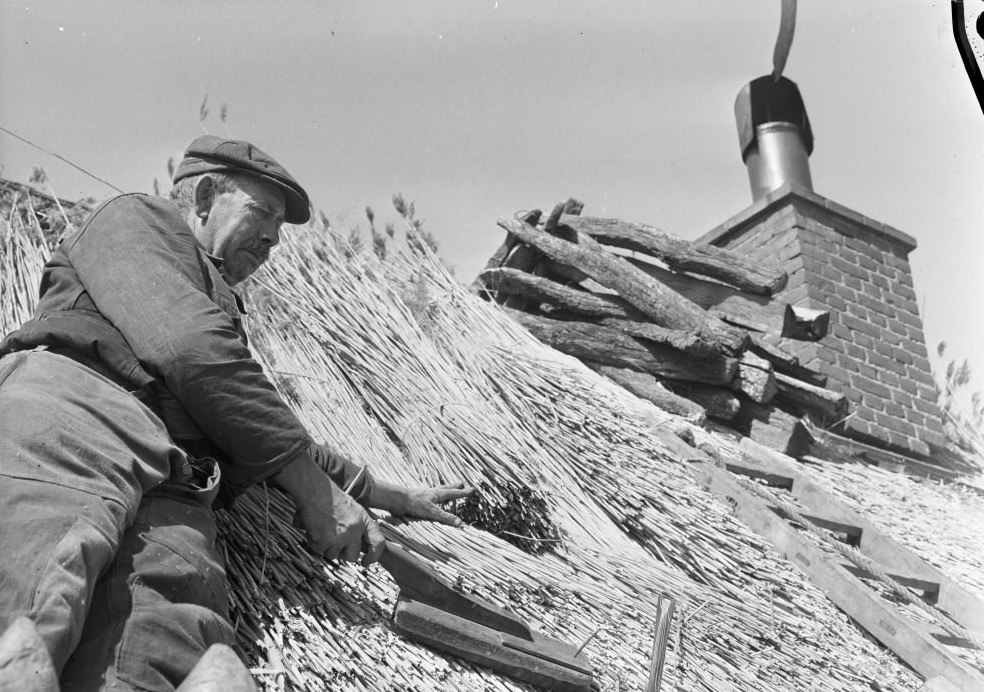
(335, 524)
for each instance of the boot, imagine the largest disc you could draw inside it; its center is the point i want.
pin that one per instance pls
(25, 665)
(219, 670)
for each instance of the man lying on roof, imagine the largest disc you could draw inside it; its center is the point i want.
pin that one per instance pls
(122, 403)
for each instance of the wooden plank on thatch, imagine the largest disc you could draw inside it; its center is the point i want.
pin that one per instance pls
(609, 346)
(883, 621)
(964, 607)
(647, 387)
(661, 304)
(755, 312)
(682, 255)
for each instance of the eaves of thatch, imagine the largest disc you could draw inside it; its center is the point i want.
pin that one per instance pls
(400, 367)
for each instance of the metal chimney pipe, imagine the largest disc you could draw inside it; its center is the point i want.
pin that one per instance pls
(774, 134)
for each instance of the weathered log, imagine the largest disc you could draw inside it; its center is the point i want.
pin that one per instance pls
(611, 311)
(545, 290)
(661, 304)
(750, 311)
(608, 346)
(560, 272)
(828, 406)
(692, 344)
(645, 386)
(756, 379)
(785, 362)
(682, 255)
(521, 258)
(498, 257)
(774, 428)
(720, 404)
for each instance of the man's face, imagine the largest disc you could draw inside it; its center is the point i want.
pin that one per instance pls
(243, 224)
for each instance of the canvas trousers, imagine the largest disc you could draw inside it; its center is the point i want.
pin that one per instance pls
(107, 540)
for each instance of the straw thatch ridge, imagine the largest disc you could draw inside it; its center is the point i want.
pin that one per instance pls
(402, 369)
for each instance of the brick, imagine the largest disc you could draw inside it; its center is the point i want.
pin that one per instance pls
(858, 426)
(920, 377)
(923, 406)
(909, 319)
(909, 387)
(874, 303)
(861, 326)
(854, 282)
(875, 404)
(902, 399)
(868, 371)
(890, 337)
(932, 437)
(811, 264)
(886, 364)
(878, 320)
(836, 303)
(894, 410)
(857, 244)
(895, 424)
(914, 417)
(832, 273)
(897, 327)
(850, 269)
(890, 379)
(840, 372)
(846, 292)
(871, 387)
(905, 281)
(855, 352)
(880, 281)
(864, 341)
(858, 311)
(868, 263)
(885, 349)
(916, 348)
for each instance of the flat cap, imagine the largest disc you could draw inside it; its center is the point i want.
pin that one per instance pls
(210, 153)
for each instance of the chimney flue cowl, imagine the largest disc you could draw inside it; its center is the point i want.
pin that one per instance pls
(774, 134)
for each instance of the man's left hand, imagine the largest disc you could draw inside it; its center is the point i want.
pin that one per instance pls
(419, 503)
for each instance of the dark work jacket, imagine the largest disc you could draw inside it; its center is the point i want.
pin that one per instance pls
(133, 296)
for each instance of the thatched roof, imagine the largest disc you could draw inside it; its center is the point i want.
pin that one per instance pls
(399, 366)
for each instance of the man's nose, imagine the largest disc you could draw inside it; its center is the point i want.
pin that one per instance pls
(271, 234)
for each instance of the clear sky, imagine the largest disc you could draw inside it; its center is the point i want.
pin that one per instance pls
(475, 109)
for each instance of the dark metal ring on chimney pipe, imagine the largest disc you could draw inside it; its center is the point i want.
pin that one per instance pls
(775, 135)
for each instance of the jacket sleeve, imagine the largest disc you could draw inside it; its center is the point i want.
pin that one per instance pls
(140, 264)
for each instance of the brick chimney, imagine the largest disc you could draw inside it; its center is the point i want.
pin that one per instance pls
(844, 262)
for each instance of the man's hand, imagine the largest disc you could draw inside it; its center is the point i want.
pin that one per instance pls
(420, 503)
(336, 526)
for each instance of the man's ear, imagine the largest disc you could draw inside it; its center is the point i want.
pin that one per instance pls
(204, 195)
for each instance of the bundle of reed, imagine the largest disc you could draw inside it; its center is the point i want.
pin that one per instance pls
(403, 370)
